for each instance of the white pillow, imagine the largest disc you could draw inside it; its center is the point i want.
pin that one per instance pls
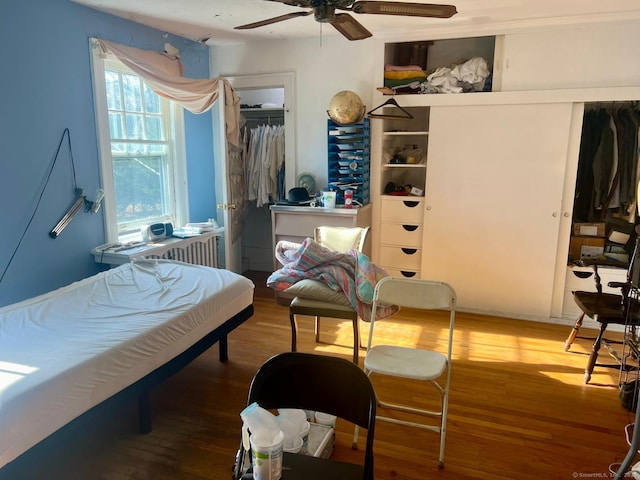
(317, 290)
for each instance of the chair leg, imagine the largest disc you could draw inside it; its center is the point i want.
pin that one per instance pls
(572, 336)
(292, 319)
(354, 444)
(317, 328)
(443, 427)
(594, 354)
(356, 341)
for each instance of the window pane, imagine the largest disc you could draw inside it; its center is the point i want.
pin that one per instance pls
(142, 153)
(151, 100)
(132, 93)
(154, 128)
(135, 126)
(114, 101)
(115, 125)
(158, 149)
(139, 188)
(118, 148)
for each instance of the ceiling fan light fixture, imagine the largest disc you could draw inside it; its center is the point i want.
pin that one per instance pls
(324, 13)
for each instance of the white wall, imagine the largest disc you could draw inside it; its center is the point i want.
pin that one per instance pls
(594, 55)
(321, 69)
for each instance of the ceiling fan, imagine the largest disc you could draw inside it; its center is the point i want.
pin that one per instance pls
(324, 11)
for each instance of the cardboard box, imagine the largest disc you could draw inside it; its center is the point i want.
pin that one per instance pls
(589, 229)
(581, 247)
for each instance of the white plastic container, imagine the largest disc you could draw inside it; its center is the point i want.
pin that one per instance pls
(326, 419)
(329, 199)
(267, 459)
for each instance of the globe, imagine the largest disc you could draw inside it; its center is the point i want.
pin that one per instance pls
(346, 108)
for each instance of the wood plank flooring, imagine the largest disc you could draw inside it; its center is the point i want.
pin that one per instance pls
(518, 408)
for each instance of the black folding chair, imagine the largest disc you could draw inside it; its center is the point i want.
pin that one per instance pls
(321, 383)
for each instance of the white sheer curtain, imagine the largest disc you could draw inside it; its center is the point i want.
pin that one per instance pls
(163, 74)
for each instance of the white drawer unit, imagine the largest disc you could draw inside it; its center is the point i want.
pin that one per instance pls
(401, 257)
(400, 235)
(405, 210)
(404, 235)
(406, 273)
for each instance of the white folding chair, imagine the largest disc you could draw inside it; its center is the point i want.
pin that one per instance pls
(414, 363)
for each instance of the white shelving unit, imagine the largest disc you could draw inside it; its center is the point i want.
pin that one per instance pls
(397, 246)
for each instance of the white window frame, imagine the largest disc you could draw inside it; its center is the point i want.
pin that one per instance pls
(179, 192)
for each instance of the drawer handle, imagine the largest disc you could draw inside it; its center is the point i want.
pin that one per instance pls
(409, 251)
(407, 274)
(411, 204)
(410, 228)
(581, 274)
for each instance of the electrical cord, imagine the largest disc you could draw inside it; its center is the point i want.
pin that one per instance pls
(44, 187)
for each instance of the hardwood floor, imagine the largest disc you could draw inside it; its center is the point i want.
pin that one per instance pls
(518, 408)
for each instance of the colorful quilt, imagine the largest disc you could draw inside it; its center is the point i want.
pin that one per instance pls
(351, 272)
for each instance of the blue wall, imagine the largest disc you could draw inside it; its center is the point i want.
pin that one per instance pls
(46, 87)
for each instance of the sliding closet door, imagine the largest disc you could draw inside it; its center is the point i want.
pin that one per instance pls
(494, 194)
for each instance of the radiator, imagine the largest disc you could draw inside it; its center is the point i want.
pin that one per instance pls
(201, 250)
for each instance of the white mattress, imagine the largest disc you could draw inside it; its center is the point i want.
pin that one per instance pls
(68, 350)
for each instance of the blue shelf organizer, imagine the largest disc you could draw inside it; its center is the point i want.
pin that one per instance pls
(349, 160)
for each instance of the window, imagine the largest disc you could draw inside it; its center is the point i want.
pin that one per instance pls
(141, 151)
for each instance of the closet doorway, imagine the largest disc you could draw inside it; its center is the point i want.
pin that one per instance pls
(266, 104)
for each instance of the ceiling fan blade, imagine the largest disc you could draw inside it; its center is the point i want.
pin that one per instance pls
(350, 27)
(269, 21)
(294, 3)
(406, 9)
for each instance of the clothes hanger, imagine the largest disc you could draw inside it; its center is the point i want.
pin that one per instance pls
(392, 102)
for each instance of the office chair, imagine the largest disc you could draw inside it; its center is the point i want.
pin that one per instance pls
(314, 298)
(414, 363)
(320, 383)
(606, 309)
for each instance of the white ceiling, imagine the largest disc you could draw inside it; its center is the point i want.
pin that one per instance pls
(213, 20)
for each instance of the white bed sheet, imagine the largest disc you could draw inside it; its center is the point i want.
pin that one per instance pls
(66, 351)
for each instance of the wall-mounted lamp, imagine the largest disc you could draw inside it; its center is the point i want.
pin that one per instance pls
(80, 204)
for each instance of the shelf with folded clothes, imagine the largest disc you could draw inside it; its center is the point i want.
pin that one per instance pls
(473, 75)
(458, 65)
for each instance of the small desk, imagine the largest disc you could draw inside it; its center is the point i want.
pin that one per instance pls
(200, 249)
(295, 223)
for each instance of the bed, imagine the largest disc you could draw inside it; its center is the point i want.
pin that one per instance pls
(108, 338)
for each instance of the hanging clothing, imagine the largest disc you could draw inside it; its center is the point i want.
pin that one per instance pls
(608, 167)
(264, 160)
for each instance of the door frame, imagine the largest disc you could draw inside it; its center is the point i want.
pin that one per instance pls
(285, 80)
